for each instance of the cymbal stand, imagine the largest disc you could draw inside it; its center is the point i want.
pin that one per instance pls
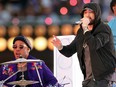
(22, 75)
(3, 81)
(38, 74)
(62, 85)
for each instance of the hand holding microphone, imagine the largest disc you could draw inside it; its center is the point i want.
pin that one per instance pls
(85, 23)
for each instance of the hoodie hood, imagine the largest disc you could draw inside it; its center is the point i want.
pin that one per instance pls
(96, 8)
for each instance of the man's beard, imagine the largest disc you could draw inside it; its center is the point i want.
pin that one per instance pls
(92, 22)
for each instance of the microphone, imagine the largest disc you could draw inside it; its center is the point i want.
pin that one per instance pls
(78, 22)
(20, 56)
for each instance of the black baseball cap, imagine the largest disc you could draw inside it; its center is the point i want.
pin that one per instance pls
(23, 39)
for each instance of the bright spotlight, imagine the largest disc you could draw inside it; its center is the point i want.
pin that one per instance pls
(27, 30)
(40, 30)
(48, 21)
(10, 43)
(2, 30)
(50, 45)
(73, 2)
(66, 29)
(13, 31)
(3, 44)
(40, 43)
(86, 1)
(63, 10)
(53, 30)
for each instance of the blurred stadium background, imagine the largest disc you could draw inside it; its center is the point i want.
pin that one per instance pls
(39, 20)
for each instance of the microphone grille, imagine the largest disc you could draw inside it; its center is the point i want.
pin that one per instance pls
(20, 56)
(78, 22)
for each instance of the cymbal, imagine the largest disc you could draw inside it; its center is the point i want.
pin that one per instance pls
(21, 60)
(23, 82)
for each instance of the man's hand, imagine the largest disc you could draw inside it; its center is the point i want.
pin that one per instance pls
(57, 43)
(85, 22)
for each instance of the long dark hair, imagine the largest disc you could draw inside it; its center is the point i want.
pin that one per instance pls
(112, 3)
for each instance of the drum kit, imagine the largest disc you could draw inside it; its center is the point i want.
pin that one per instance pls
(22, 82)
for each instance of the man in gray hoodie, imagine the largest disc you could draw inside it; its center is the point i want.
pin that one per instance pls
(94, 46)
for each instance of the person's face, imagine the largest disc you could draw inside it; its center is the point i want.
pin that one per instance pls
(20, 49)
(114, 9)
(89, 14)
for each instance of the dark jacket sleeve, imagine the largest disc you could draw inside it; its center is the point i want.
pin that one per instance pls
(102, 52)
(99, 39)
(74, 46)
